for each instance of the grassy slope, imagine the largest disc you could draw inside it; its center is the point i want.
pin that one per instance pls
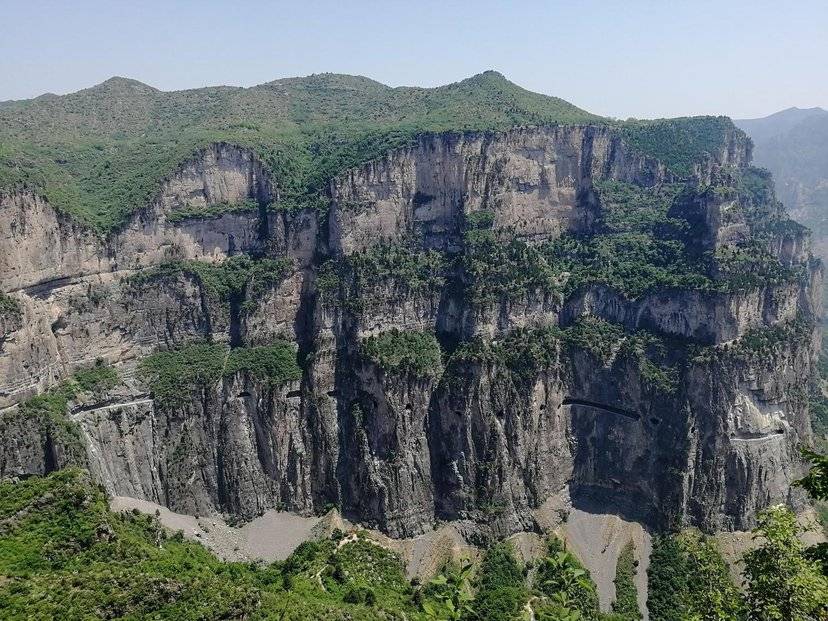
(102, 152)
(64, 554)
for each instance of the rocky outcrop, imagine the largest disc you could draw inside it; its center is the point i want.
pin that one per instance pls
(658, 412)
(385, 469)
(705, 317)
(749, 415)
(221, 174)
(75, 287)
(48, 249)
(537, 182)
(241, 448)
(40, 245)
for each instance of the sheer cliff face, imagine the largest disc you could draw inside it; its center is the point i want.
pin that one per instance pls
(679, 404)
(536, 182)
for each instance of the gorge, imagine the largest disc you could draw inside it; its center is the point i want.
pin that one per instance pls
(481, 326)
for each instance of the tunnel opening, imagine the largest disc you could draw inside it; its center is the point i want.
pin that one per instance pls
(602, 406)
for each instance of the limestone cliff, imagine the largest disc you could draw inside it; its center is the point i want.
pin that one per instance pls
(667, 386)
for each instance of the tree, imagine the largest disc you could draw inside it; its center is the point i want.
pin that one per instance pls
(711, 594)
(689, 579)
(626, 596)
(816, 484)
(816, 481)
(667, 580)
(783, 585)
(567, 585)
(451, 594)
(501, 585)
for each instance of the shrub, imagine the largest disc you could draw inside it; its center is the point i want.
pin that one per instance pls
(172, 375)
(680, 143)
(404, 351)
(781, 582)
(275, 363)
(563, 578)
(501, 591)
(403, 266)
(626, 595)
(98, 378)
(9, 307)
(212, 211)
(688, 578)
(235, 279)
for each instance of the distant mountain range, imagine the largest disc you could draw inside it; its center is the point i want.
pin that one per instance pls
(793, 145)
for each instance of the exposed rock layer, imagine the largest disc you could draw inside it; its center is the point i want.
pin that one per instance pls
(485, 441)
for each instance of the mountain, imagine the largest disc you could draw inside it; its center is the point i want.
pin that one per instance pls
(448, 316)
(102, 153)
(793, 145)
(766, 128)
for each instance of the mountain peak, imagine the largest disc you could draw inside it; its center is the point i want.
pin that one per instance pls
(490, 76)
(118, 84)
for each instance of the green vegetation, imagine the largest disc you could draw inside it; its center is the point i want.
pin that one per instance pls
(680, 143)
(407, 267)
(96, 379)
(482, 219)
(404, 351)
(356, 572)
(9, 307)
(750, 265)
(756, 185)
(64, 554)
(630, 208)
(758, 343)
(173, 375)
(449, 595)
(816, 484)
(48, 413)
(526, 351)
(216, 210)
(523, 351)
(637, 250)
(501, 585)
(509, 268)
(626, 596)
(818, 402)
(763, 342)
(688, 579)
(566, 583)
(275, 363)
(101, 153)
(816, 481)
(236, 279)
(599, 337)
(782, 583)
(634, 264)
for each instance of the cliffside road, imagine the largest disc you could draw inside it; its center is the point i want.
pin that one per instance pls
(106, 408)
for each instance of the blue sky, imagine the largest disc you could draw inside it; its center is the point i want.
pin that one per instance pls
(635, 58)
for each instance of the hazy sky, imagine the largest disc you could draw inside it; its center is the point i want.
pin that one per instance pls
(627, 58)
